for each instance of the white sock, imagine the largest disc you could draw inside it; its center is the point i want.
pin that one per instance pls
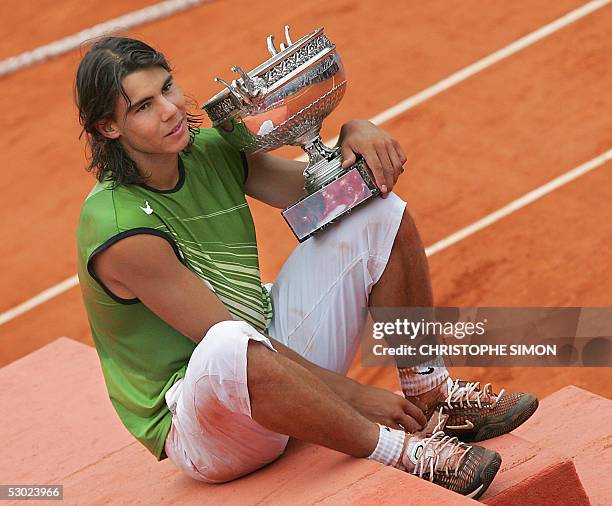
(418, 380)
(389, 447)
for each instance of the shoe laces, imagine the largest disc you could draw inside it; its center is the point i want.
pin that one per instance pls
(431, 459)
(470, 393)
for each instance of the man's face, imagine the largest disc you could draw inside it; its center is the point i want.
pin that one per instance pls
(155, 122)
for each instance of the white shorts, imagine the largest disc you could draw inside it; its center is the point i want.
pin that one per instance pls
(320, 301)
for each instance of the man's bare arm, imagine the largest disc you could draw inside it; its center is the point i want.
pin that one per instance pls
(275, 180)
(279, 182)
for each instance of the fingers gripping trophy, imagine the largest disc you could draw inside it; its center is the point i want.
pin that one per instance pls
(283, 101)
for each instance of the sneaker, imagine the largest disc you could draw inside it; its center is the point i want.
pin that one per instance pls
(473, 414)
(445, 461)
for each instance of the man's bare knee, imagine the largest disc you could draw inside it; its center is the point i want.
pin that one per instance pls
(408, 230)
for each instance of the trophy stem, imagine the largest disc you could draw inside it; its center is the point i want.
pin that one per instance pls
(324, 163)
(316, 150)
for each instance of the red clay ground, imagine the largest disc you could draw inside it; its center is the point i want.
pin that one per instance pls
(30, 26)
(471, 149)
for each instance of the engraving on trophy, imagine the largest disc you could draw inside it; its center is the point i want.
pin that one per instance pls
(298, 58)
(284, 101)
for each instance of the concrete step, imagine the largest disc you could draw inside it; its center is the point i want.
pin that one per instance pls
(578, 425)
(530, 474)
(305, 475)
(59, 428)
(57, 415)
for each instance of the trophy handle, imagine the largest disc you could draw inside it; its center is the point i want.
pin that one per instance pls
(270, 42)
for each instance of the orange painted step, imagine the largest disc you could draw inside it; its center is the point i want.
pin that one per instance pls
(306, 474)
(577, 424)
(59, 428)
(530, 474)
(57, 416)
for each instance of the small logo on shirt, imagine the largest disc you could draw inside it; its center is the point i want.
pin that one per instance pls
(147, 209)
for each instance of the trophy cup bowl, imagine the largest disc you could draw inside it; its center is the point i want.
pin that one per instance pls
(284, 101)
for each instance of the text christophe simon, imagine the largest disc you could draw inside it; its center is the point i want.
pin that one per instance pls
(458, 330)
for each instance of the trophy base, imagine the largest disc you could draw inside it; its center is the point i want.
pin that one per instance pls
(319, 209)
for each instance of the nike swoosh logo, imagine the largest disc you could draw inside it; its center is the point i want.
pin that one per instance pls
(472, 494)
(428, 371)
(468, 425)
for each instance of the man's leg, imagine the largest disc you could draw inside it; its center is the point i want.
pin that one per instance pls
(239, 398)
(321, 294)
(374, 256)
(406, 283)
(288, 399)
(473, 413)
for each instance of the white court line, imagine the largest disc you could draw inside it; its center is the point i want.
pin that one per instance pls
(517, 204)
(61, 46)
(403, 106)
(39, 299)
(482, 64)
(487, 61)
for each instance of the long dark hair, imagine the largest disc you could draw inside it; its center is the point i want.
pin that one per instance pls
(98, 86)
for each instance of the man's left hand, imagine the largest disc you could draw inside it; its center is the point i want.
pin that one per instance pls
(387, 408)
(382, 153)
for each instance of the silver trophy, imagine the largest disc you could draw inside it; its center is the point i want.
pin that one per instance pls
(284, 101)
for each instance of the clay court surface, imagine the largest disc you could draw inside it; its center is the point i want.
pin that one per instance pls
(472, 149)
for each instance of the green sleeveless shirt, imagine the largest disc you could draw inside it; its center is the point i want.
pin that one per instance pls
(207, 221)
